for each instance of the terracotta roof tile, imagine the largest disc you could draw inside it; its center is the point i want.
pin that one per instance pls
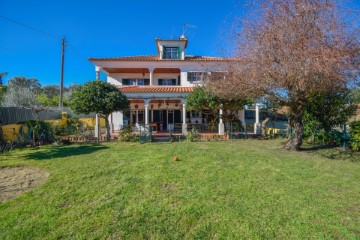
(156, 58)
(155, 89)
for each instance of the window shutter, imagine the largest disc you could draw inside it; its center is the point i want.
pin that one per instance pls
(173, 82)
(163, 53)
(160, 82)
(125, 82)
(178, 80)
(146, 81)
(179, 53)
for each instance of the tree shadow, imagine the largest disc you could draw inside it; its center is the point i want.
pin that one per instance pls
(64, 151)
(333, 152)
(318, 147)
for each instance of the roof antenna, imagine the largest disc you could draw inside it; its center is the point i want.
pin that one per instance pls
(185, 26)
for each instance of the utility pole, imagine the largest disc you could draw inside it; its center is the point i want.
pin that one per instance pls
(98, 126)
(62, 72)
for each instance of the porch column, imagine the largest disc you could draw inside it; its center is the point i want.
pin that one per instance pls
(257, 127)
(146, 101)
(221, 124)
(97, 128)
(151, 73)
(184, 124)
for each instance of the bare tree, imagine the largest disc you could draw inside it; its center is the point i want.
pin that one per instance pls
(290, 51)
(22, 97)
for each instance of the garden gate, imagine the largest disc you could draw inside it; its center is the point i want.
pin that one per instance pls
(145, 133)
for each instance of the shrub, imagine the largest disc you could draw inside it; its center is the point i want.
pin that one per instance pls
(41, 131)
(193, 136)
(127, 135)
(64, 142)
(174, 138)
(355, 135)
(73, 126)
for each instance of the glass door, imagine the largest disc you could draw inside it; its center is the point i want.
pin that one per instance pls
(171, 116)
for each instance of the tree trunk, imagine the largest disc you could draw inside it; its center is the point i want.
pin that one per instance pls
(295, 140)
(107, 128)
(2, 140)
(34, 137)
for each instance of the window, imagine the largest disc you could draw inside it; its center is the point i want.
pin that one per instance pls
(196, 76)
(167, 82)
(218, 76)
(171, 53)
(140, 82)
(136, 116)
(135, 82)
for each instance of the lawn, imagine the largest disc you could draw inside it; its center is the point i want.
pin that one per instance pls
(218, 190)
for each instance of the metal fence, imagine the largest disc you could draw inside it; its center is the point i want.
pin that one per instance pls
(13, 115)
(203, 128)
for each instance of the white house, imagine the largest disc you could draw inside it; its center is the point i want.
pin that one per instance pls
(157, 86)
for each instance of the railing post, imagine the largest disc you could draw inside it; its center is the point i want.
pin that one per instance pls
(221, 124)
(184, 125)
(257, 127)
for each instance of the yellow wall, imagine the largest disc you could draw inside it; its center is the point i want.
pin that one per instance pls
(88, 121)
(273, 130)
(10, 132)
(92, 121)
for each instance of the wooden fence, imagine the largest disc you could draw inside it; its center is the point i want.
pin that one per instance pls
(13, 115)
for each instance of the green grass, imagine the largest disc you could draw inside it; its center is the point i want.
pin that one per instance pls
(219, 190)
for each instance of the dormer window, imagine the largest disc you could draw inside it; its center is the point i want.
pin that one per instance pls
(171, 53)
(171, 48)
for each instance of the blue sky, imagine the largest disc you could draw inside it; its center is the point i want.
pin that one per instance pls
(102, 29)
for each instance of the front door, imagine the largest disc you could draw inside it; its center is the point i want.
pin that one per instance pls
(177, 116)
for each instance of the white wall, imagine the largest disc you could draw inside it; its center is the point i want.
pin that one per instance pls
(184, 66)
(116, 78)
(117, 118)
(158, 76)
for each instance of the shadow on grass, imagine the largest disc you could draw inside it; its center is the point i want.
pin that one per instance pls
(318, 147)
(333, 152)
(64, 151)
